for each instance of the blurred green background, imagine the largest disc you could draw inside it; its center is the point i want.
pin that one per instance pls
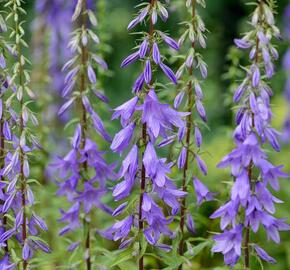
(225, 20)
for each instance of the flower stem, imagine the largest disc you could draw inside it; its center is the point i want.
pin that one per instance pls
(250, 171)
(185, 169)
(21, 131)
(142, 190)
(247, 235)
(2, 164)
(143, 170)
(187, 145)
(247, 250)
(88, 247)
(83, 121)
(84, 59)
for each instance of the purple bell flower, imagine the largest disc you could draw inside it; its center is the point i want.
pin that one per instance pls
(229, 243)
(202, 192)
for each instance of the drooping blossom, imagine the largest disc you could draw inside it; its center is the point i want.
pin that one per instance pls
(229, 243)
(251, 204)
(202, 192)
(146, 123)
(83, 171)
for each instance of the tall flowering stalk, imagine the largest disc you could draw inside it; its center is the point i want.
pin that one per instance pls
(83, 170)
(51, 30)
(251, 202)
(192, 93)
(54, 21)
(3, 127)
(24, 224)
(154, 202)
(286, 66)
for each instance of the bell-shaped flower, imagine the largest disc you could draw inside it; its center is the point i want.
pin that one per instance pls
(160, 118)
(229, 243)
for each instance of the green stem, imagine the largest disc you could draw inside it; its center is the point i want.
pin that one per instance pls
(187, 145)
(21, 128)
(2, 164)
(83, 122)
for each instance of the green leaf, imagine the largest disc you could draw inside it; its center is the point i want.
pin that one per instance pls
(144, 244)
(14, 256)
(175, 244)
(122, 257)
(195, 250)
(29, 181)
(172, 261)
(73, 255)
(71, 122)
